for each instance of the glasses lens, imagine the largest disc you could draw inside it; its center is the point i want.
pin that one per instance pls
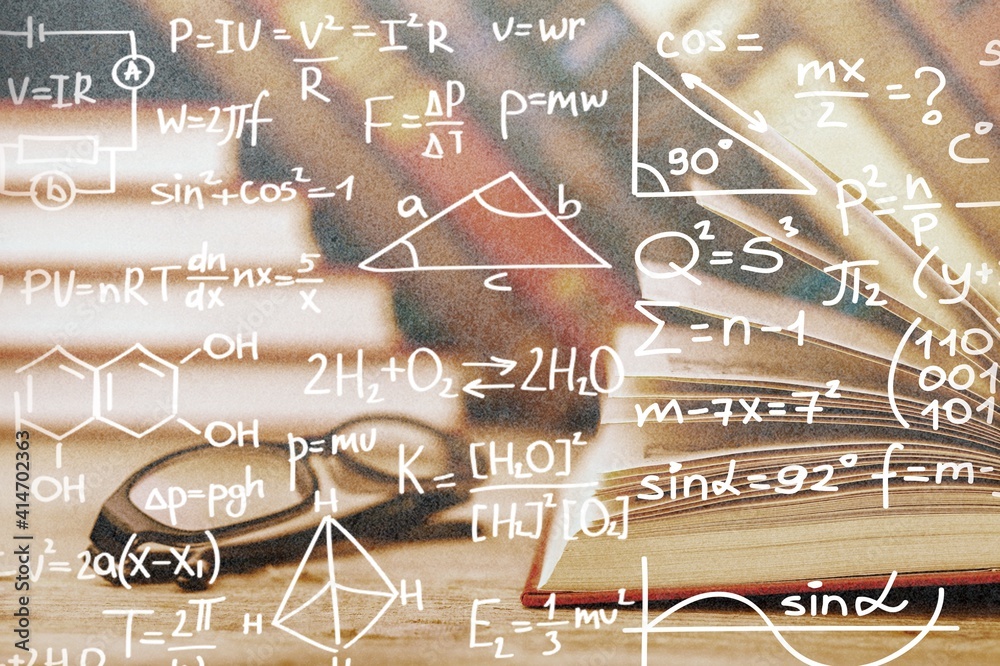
(387, 446)
(210, 488)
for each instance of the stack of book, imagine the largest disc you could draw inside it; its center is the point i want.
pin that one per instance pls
(236, 311)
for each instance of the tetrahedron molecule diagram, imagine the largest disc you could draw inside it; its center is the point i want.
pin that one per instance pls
(325, 611)
(493, 216)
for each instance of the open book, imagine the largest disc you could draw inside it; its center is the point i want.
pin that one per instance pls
(826, 421)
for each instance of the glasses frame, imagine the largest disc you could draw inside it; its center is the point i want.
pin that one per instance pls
(276, 537)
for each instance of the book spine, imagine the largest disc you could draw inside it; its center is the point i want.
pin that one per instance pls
(566, 307)
(318, 137)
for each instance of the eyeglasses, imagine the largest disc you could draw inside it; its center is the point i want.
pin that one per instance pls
(205, 510)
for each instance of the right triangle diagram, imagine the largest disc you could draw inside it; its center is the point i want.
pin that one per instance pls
(674, 142)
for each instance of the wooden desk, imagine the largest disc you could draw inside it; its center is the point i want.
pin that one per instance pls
(70, 613)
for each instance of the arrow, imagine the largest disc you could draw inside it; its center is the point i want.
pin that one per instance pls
(755, 122)
(505, 365)
(476, 385)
